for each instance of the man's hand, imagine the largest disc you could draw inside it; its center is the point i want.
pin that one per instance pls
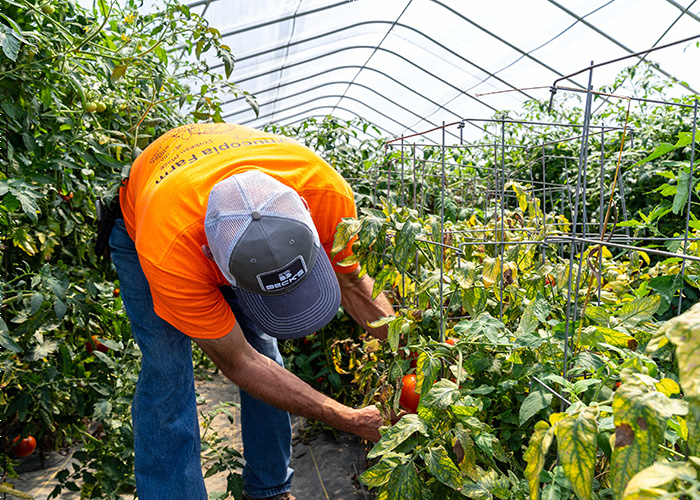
(368, 421)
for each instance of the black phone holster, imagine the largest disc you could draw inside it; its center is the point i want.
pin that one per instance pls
(105, 217)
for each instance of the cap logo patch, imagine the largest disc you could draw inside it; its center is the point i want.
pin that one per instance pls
(283, 277)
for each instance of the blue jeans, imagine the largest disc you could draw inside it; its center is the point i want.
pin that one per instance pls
(164, 410)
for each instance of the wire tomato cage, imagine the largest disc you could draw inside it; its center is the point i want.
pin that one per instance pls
(557, 194)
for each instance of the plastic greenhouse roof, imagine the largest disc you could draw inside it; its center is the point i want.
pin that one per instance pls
(411, 65)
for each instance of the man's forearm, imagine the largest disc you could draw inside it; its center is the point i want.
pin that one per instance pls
(266, 380)
(357, 301)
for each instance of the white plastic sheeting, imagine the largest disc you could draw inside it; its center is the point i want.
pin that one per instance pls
(410, 65)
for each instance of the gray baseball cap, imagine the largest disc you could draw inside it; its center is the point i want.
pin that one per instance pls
(266, 245)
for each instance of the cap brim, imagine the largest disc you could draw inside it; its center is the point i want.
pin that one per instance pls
(304, 310)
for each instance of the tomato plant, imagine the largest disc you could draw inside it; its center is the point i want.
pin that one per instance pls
(82, 93)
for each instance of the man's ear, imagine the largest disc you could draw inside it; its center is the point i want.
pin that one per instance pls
(207, 252)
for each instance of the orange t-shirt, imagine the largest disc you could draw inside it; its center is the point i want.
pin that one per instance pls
(164, 204)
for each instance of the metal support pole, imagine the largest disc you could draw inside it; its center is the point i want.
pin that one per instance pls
(442, 235)
(572, 252)
(601, 219)
(501, 195)
(690, 201)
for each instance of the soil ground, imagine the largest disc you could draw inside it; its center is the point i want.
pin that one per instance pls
(326, 464)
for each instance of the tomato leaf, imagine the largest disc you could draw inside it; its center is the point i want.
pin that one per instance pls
(345, 231)
(6, 341)
(598, 314)
(441, 466)
(535, 455)
(576, 447)
(491, 271)
(383, 280)
(483, 324)
(474, 300)
(640, 422)
(103, 409)
(684, 332)
(441, 395)
(9, 42)
(427, 372)
(404, 483)
(632, 313)
(253, 103)
(117, 73)
(405, 241)
(8, 489)
(535, 402)
(397, 434)
(660, 150)
(682, 188)
(520, 194)
(658, 474)
(379, 474)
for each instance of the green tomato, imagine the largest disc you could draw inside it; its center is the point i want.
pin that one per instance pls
(90, 107)
(48, 9)
(101, 107)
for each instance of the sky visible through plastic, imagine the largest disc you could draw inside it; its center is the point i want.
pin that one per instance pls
(410, 65)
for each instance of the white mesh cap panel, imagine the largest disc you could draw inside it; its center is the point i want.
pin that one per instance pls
(257, 187)
(222, 233)
(231, 203)
(288, 204)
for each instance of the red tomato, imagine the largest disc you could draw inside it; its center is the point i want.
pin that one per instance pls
(549, 280)
(23, 448)
(409, 399)
(93, 344)
(452, 341)
(116, 292)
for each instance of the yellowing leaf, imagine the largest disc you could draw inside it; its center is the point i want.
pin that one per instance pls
(491, 272)
(643, 309)
(639, 430)
(441, 466)
(644, 256)
(693, 424)
(379, 474)
(117, 73)
(9, 489)
(404, 483)
(606, 253)
(556, 417)
(656, 475)
(668, 387)
(521, 195)
(535, 455)
(684, 332)
(345, 231)
(23, 240)
(647, 494)
(576, 446)
(397, 434)
(337, 359)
